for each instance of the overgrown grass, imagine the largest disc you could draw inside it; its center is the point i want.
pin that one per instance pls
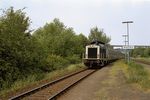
(120, 76)
(137, 74)
(69, 69)
(144, 59)
(35, 79)
(22, 83)
(134, 73)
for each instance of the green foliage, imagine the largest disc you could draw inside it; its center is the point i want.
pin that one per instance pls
(35, 78)
(81, 42)
(10, 40)
(73, 59)
(51, 47)
(141, 52)
(17, 50)
(7, 74)
(61, 45)
(55, 62)
(147, 52)
(137, 74)
(96, 34)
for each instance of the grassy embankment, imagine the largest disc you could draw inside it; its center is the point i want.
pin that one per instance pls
(32, 80)
(120, 76)
(143, 59)
(137, 74)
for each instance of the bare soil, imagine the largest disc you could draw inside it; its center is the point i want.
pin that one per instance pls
(102, 85)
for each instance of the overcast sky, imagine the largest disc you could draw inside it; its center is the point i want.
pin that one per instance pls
(85, 14)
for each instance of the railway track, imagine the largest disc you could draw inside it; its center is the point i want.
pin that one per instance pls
(141, 61)
(52, 90)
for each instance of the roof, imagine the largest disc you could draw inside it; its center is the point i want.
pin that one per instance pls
(97, 42)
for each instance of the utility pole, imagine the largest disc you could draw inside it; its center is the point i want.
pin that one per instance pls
(125, 41)
(128, 51)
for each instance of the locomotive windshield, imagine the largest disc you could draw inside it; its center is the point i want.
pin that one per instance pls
(92, 52)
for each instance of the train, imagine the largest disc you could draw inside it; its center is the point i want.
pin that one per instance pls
(98, 54)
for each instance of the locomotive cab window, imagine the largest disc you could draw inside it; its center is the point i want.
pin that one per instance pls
(92, 52)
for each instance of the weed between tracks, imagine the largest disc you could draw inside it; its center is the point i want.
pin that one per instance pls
(35, 80)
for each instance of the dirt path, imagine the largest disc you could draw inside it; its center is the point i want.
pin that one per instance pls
(109, 83)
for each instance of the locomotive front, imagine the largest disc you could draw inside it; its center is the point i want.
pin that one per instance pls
(94, 54)
(98, 54)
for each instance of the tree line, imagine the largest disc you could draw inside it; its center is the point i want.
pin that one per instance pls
(51, 47)
(140, 52)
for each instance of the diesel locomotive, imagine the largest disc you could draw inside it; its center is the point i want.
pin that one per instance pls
(99, 54)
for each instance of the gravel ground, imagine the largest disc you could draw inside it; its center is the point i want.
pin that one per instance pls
(86, 89)
(102, 85)
(44, 94)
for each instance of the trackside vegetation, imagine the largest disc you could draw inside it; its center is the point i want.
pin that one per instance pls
(35, 79)
(125, 82)
(138, 74)
(30, 55)
(133, 73)
(141, 52)
(24, 55)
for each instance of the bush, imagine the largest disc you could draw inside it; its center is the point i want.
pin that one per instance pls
(54, 62)
(8, 74)
(73, 59)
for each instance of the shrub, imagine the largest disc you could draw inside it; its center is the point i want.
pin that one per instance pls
(8, 74)
(54, 62)
(73, 59)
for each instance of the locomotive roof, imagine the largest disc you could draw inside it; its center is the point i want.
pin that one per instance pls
(97, 42)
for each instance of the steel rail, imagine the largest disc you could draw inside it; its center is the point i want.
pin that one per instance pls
(24, 94)
(141, 61)
(59, 93)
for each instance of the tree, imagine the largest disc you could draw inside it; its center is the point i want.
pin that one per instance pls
(97, 34)
(17, 56)
(147, 52)
(60, 42)
(141, 52)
